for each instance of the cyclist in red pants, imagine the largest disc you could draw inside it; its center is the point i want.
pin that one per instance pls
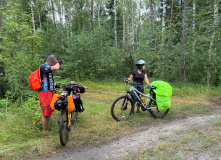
(45, 94)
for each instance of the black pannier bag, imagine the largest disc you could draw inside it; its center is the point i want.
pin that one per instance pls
(60, 104)
(81, 89)
(78, 103)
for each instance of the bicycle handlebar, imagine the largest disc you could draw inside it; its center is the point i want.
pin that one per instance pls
(135, 83)
(71, 87)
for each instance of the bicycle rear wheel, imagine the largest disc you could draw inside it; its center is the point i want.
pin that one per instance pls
(64, 129)
(122, 108)
(154, 111)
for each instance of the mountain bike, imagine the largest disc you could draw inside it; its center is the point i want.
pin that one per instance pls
(123, 107)
(67, 119)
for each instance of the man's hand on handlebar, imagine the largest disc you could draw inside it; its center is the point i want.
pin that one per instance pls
(57, 86)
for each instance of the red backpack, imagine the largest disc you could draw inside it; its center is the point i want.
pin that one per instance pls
(34, 80)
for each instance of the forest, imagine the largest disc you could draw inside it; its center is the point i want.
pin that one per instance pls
(100, 40)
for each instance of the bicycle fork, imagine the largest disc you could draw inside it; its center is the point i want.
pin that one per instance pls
(69, 119)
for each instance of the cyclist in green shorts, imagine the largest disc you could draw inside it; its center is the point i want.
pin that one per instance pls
(138, 75)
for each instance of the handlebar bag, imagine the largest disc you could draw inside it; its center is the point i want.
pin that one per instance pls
(60, 104)
(80, 89)
(78, 103)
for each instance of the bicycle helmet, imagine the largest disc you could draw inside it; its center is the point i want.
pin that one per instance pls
(140, 63)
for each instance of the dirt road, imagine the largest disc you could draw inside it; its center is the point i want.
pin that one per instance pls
(148, 137)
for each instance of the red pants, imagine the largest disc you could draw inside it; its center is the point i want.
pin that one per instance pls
(45, 98)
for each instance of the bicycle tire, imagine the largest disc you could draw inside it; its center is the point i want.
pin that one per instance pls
(122, 108)
(64, 129)
(155, 112)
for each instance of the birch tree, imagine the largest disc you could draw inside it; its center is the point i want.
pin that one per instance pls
(53, 13)
(164, 16)
(115, 21)
(131, 25)
(171, 16)
(194, 25)
(163, 19)
(124, 23)
(98, 14)
(67, 13)
(32, 15)
(216, 9)
(184, 41)
(139, 23)
(91, 14)
(2, 72)
(152, 17)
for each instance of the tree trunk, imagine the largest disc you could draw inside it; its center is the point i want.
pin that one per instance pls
(194, 25)
(91, 15)
(32, 15)
(60, 11)
(53, 15)
(171, 16)
(184, 42)
(124, 23)
(139, 23)
(152, 17)
(115, 21)
(164, 17)
(98, 14)
(39, 18)
(67, 18)
(2, 69)
(131, 25)
(131, 33)
(216, 9)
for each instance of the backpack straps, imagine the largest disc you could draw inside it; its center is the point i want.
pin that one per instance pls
(40, 76)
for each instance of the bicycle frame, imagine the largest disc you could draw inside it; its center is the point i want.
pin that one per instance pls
(136, 92)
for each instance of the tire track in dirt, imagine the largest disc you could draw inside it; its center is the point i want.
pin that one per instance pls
(134, 143)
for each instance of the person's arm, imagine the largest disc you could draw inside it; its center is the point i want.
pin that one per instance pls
(130, 78)
(56, 66)
(146, 79)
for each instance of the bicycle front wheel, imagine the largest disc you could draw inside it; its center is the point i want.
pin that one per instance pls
(64, 129)
(155, 112)
(122, 108)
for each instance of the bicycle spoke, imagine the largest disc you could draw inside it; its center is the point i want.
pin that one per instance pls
(64, 128)
(121, 108)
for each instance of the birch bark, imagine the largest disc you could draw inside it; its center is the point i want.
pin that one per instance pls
(216, 9)
(115, 21)
(124, 24)
(184, 41)
(194, 25)
(163, 19)
(152, 17)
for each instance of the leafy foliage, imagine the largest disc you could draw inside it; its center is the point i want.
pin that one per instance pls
(93, 54)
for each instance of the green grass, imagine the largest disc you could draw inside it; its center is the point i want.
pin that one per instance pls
(21, 136)
(196, 90)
